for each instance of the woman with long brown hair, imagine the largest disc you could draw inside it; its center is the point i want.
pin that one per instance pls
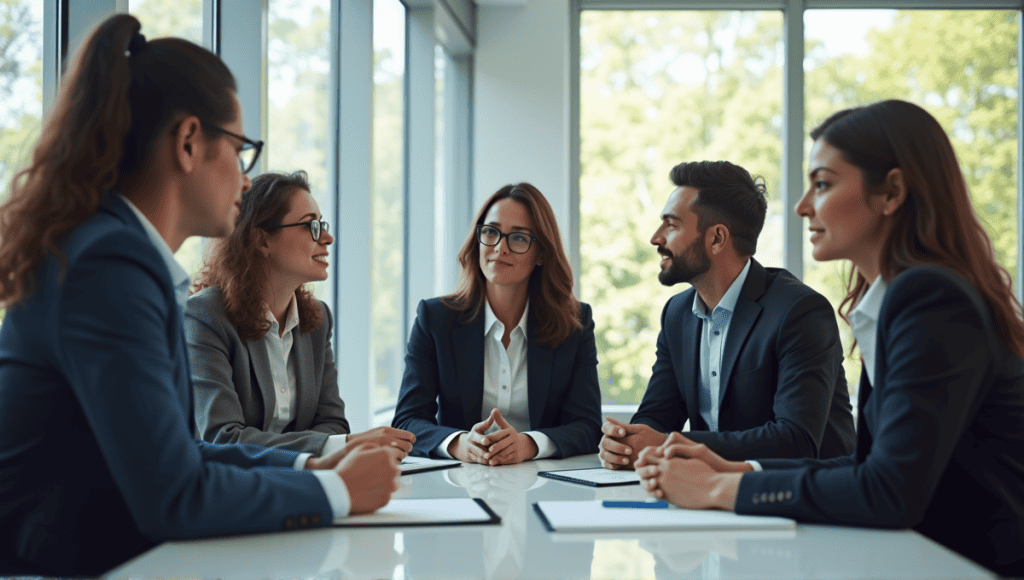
(259, 342)
(505, 369)
(940, 439)
(98, 459)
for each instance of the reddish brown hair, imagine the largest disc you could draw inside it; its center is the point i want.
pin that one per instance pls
(936, 224)
(236, 265)
(119, 95)
(550, 287)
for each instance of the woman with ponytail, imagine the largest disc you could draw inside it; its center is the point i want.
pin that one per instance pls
(505, 369)
(940, 438)
(98, 457)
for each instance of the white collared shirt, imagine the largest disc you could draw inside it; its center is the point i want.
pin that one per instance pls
(864, 324)
(179, 277)
(714, 331)
(282, 370)
(334, 487)
(506, 385)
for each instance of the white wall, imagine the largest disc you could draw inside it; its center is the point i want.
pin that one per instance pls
(521, 102)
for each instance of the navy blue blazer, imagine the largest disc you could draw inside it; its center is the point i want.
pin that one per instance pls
(783, 389)
(442, 388)
(98, 456)
(940, 435)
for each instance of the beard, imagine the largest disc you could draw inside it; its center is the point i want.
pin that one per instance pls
(692, 262)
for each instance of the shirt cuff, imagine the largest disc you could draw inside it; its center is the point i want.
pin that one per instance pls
(755, 465)
(337, 493)
(545, 446)
(300, 461)
(334, 443)
(442, 449)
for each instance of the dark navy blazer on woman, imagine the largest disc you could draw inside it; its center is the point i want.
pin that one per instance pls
(940, 434)
(98, 456)
(442, 389)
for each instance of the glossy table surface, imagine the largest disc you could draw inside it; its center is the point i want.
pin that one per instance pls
(521, 548)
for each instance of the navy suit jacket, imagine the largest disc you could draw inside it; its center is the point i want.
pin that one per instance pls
(783, 388)
(940, 435)
(442, 388)
(98, 458)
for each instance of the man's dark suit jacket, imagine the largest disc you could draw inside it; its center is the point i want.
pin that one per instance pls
(445, 363)
(98, 457)
(940, 435)
(783, 391)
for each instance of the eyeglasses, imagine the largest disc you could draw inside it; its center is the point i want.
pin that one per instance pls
(250, 151)
(315, 227)
(518, 242)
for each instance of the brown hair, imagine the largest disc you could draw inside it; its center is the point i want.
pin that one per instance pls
(118, 97)
(936, 224)
(550, 287)
(236, 265)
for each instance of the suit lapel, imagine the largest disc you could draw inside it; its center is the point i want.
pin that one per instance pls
(305, 391)
(744, 316)
(688, 354)
(259, 361)
(538, 373)
(863, 433)
(468, 359)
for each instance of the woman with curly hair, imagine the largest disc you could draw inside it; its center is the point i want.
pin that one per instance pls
(511, 350)
(259, 343)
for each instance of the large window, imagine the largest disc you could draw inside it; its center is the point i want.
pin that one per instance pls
(657, 89)
(387, 303)
(298, 71)
(856, 57)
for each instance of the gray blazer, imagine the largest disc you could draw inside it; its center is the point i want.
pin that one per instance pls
(234, 390)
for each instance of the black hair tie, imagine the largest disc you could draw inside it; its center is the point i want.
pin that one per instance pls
(136, 45)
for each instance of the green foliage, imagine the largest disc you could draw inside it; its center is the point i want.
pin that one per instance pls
(659, 88)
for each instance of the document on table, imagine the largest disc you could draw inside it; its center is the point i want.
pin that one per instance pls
(591, 516)
(463, 511)
(594, 476)
(419, 464)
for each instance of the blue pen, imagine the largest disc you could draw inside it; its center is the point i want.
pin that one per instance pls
(614, 503)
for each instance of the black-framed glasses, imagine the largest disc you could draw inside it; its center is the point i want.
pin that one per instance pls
(315, 227)
(518, 242)
(250, 151)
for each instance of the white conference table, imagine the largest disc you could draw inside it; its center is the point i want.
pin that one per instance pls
(521, 548)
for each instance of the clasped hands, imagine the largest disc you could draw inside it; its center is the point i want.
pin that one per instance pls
(503, 447)
(672, 468)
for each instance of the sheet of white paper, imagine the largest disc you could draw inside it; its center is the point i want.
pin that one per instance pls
(401, 512)
(591, 516)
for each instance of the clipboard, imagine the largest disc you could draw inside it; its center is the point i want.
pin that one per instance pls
(420, 464)
(463, 511)
(594, 476)
(592, 517)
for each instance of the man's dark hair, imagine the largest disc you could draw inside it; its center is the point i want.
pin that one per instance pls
(727, 195)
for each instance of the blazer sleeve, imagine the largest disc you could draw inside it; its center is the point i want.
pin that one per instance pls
(663, 407)
(119, 347)
(934, 350)
(330, 410)
(810, 357)
(213, 345)
(579, 429)
(416, 410)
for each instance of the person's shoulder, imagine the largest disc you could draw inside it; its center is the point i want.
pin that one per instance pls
(680, 301)
(110, 229)
(782, 281)
(586, 312)
(927, 282)
(206, 303)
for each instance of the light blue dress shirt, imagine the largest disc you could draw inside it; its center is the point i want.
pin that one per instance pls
(714, 331)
